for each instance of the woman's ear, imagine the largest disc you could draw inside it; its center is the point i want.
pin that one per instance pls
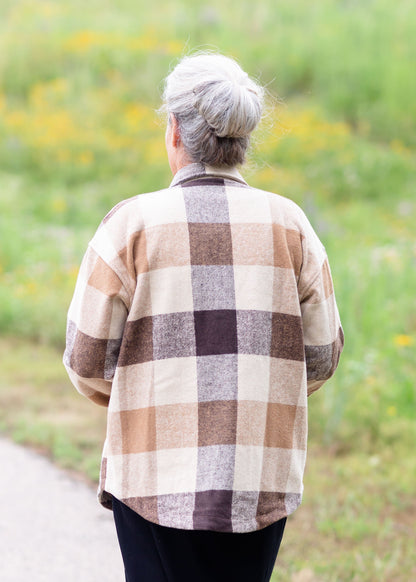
(175, 133)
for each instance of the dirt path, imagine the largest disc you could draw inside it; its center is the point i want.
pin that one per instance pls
(51, 526)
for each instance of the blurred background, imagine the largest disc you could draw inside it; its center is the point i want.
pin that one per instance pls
(80, 84)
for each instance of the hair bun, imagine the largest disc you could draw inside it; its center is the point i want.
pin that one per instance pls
(211, 98)
(231, 107)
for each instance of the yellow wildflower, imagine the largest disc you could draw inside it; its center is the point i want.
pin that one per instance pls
(174, 47)
(267, 175)
(392, 411)
(26, 289)
(134, 113)
(313, 132)
(83, 40)
(73, 272)
(403, 340)
(41, 94)
(143, 43)
(37, 95)
(59, 205)
(31, 288)
(399, 147)
(85, 158)
(154, 152)
(52, 128)
(16, 119)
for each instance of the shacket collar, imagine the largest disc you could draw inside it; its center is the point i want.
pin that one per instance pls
(196, 170)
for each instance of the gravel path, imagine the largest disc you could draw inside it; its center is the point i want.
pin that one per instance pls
(51, 526)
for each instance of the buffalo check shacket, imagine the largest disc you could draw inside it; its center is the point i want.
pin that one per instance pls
(203, 316)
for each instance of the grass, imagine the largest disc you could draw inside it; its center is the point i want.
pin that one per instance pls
(39, 408)
(355, 522)
(80, 83)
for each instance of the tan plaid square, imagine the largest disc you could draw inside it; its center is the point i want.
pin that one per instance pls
(252, 244)
(168, 246)
(287, 248)
(280, 424)
(177, 426)
(251, 423)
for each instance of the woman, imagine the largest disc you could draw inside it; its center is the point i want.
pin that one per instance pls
(203, 317)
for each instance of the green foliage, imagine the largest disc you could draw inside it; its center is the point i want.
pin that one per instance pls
(77, 112)
(38, 408)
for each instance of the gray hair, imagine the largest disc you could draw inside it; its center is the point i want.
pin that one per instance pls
(216, 105)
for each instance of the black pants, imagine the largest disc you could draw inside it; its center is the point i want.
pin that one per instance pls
(153, 553)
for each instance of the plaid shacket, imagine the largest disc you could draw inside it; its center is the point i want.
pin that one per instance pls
(203, 316)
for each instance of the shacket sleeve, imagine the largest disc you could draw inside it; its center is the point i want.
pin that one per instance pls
(323, 334)
(96, 320)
